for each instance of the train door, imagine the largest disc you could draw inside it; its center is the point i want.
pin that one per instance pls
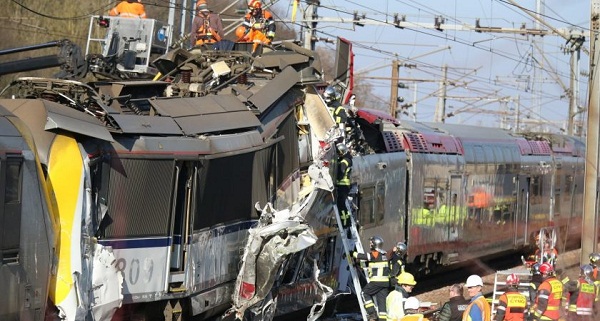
(522, 211)
(180, 220)
(454, 215)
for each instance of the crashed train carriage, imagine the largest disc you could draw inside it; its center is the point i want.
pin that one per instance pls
(155, 183)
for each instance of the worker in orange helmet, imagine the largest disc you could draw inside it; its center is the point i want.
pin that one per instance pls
(261, 20)
(207, 27)
(129, 9)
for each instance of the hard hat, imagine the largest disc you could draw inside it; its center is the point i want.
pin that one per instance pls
(252, 4)
(376, 241)
(546, 268)
(201, 6)
(342, 149)
(535, 269)
(330, 94)
(595, 259)
(401, 248)
(512, 279)
(474, 280)
(406, 278)
(412, 303)
(240, 32)
(587, 270)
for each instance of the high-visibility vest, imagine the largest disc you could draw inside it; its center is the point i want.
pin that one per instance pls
(483, 306)
(581, 302)
(513, 304)
(551, 289)
(344, 177)
(394, 303)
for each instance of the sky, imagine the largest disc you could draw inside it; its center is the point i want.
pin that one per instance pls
(490, 75)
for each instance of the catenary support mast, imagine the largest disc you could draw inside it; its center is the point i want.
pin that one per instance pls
(589, 237)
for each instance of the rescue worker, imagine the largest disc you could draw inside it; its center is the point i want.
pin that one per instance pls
(536, 280)
(207, 27)
(549, 295)
(396, 300)
(260, 20)
(581, 295)
(378, 279)
(397, 262)
(344, 168)
(338, 111)
(478, 309)
(412, 306)
(595, 262)
(548, 255)
(129, 9)
(512, 304)
(453, 309)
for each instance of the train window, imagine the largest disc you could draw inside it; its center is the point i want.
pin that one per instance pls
(12, 192)
(10, 207)
(372, 204)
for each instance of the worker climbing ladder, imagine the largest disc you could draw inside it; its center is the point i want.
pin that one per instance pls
(351, 241)
(500, 284)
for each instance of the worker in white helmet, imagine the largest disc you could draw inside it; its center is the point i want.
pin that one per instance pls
(478, 309)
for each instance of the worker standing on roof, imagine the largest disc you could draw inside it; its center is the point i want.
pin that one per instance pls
(512, 304)
(259, 20)
(207, 27)
(395, 301)
(549, 296)
(378, 276)
(581, 295)
(478, 309)
(129, 9)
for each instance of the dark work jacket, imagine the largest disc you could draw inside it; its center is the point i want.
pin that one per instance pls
(453, 309)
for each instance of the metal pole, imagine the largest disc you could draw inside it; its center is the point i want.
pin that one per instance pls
(394, 89)
(589, 236)
(440, 110)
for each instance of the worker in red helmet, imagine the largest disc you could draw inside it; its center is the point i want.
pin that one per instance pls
(207, 27)
(260, 21)
(512, 304)
(549, 295)
(129, 9)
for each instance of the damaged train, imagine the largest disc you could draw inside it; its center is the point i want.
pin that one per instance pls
(148, 192)
(154, 186)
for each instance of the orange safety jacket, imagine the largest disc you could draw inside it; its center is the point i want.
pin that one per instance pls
(208, 28)
(548, 299)
(581, 302)
(483, 306)
(512, 306)
(129, 10)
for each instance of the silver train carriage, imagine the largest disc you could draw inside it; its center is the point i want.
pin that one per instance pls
(156, 182)
(27, 226)
(443, 188)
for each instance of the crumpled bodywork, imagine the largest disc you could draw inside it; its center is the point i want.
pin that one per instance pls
(277, 235)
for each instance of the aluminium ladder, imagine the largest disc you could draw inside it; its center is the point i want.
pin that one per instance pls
(349, 244)
(500, 284)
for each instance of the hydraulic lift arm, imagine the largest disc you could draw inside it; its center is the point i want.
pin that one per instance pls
(69, 58)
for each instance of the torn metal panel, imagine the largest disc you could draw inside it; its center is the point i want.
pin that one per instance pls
(268, 95)
(280, 60)
(277, 235)
(107, 284)
(209, 123)
(134, 124)
(182, 107)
